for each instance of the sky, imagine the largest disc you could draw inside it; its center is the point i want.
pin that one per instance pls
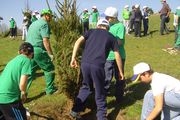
(14, 8)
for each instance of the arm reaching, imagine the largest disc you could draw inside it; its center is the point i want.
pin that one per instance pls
(22, 87)
(119, 64)
(75, 49)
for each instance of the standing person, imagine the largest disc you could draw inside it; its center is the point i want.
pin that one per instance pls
(13, 82)
(12, 27)
(33, 18)
(126, 18)
(132, 14)
(164, 96)
(137, 21)
(118, 30)
(177, 28)
(85, 20)
(24, 28)
(145, 20)
(92, 66)
(95, 16)
(164, 15)
(39, 36)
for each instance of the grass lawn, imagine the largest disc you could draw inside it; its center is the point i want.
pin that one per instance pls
(147, 49)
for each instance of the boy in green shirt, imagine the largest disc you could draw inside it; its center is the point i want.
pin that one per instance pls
(13, 82)
(118, 30)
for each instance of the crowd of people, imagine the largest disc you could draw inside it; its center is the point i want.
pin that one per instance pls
(107, 36)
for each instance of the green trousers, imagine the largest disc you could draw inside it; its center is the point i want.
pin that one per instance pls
(42, 60)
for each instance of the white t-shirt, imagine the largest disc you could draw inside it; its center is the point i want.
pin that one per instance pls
(161, 83)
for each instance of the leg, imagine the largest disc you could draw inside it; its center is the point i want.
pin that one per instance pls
(171, 109)
(98, 77)
(14, 111)
(163, 17)
(109, 69)
(120, 84)
(148, 105)
(44, 62)
(84, 91)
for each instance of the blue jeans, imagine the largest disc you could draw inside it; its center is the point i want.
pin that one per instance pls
(171, 108)
(111, 70)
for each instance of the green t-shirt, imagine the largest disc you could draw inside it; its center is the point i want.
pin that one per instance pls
(10, 78)
(118, 30)
(37, 31)
(95, 16)
(126, 14)
(85, 17)
(12, 23)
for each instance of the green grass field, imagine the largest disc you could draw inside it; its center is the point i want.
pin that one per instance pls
(147, 49)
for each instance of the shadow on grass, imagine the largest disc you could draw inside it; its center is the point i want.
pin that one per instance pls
(133, 93)
(35, 97)
(41, 116)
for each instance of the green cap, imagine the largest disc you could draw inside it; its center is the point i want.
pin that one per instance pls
(46, 11)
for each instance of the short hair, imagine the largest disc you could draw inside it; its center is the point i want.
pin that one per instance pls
(26, 48)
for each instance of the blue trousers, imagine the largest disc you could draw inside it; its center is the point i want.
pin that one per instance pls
(92, 74)
(171, 108)
(110, 71)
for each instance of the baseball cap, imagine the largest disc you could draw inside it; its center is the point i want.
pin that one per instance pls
(46, 11)
(94, 7)
(138, 69)
(111, 12)
(137, 6)
(102, 22)
(126, 6)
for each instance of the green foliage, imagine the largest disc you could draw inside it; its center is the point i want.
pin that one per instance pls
(66, 28)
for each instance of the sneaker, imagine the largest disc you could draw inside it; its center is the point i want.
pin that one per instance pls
(75, 115)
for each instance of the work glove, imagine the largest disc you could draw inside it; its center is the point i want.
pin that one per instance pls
(51, 56)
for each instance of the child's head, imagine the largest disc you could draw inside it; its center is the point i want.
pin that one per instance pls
(26, 49)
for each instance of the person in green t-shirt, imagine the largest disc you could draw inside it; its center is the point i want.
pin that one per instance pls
(95, 16)
(118, 30)
(126, 18)
(85, 20)
(39, 36)
(12, 27)
(13, 82)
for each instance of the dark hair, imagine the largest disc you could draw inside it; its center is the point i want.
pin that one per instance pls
(26, 48)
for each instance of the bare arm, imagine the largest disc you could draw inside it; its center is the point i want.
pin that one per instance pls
(47, 46)
(119, 64)
(158, 107)
(22, 87)
(75, 49)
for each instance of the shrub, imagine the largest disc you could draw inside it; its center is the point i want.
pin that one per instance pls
(66, 28)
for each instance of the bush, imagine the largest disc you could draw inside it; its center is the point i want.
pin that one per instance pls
(66, 28)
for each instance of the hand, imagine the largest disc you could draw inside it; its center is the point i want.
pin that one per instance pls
(51, 56)
(121, 76)
(74, 63)
(23, 96)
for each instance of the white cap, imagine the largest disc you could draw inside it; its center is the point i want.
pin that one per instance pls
(126, 6)
(138, 69)
(144, 7)
(111, 12)
(137, 6)
(85, 9)
(102, 22)
(94, 7)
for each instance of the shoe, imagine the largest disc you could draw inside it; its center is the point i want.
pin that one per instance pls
(75, 115)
